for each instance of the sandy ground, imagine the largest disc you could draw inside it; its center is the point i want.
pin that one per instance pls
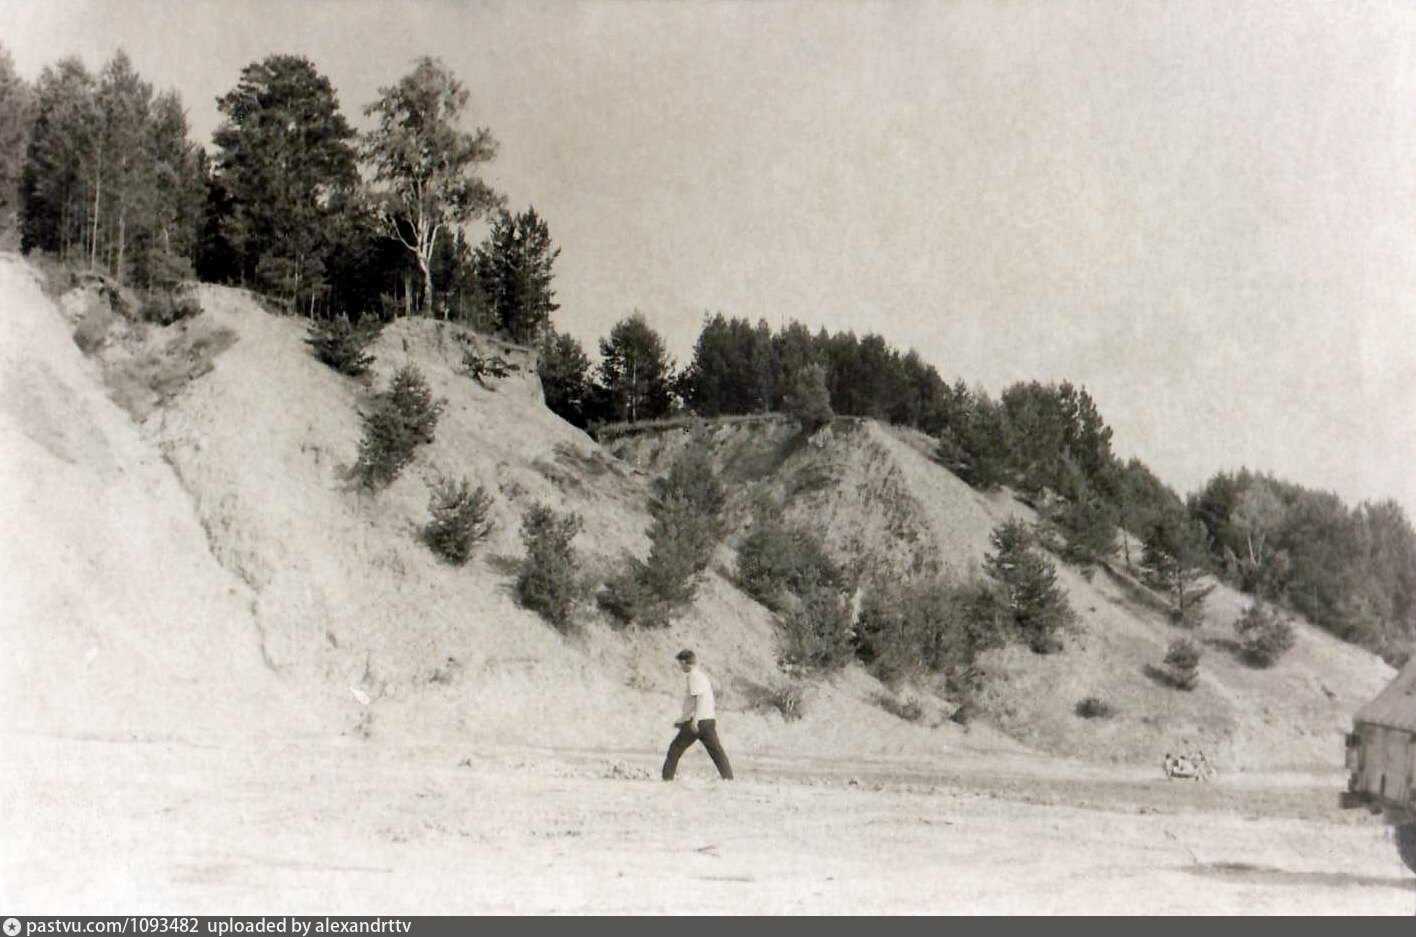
(369, 827)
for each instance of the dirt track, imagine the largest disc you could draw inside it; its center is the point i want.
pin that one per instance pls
(364, 828)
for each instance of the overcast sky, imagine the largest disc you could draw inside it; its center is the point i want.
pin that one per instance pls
(1204, 213)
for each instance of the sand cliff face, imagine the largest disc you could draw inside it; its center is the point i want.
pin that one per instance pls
(118, 619)
(195, 563)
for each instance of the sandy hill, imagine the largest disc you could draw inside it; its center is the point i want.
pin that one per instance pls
(196, 564)
(882, 503)
(183, 556)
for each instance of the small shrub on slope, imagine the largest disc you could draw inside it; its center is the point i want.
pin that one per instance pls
(687, 509)
(546, 583)
(627, 598)
(459, 519)
(777, 557)
(785, 567)
(165, 308)
(1182, 662)
(341, 346)
(400, 420)
(1094, 708)
(816, 627)
(908, 710)
(785, 698)
(1263, 634)
(1088, 523)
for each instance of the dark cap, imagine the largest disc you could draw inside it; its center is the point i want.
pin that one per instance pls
(686, 656)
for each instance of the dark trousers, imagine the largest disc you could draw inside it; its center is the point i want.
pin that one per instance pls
(707, 734)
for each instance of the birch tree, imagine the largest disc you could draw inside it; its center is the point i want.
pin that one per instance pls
(424, 166)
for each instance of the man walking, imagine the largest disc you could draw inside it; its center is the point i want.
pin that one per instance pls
(698, 721)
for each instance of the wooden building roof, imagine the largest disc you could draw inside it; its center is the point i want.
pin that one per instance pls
(1396, 705)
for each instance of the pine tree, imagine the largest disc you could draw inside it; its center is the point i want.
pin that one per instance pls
(512, 268)
(401, 419)
(635, 371)
(1182, 662)
(564, 372)
(546, 581)
(125, 101)
(1036, 604)
(1172, 554)
(284, 151)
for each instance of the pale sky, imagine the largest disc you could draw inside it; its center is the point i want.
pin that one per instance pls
(1204, 213)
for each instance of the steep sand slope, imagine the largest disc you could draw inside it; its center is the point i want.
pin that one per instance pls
(117, 621)
(248, 440)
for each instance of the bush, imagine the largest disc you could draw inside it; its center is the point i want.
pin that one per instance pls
(816, 628)
(627, 598)
(1094, 708)
(479, 367)
(922, 626)
(807, 399)
(909, 710)
(546, 582)
(933, 626)
(162, 307)
(777, 558)
(1034, 602)
(785, 567)
(1182, 663)
(342, 346)
(401, 419)
(1171, 558)
(459, 519)
(785, 698)
(1263, 634)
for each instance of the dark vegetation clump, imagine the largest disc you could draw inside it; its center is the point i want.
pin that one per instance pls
(1031, 600)
(1094, 707)
(546, 582)
(459, 519)
(930, 626)
(1264, 635)
(778, 558)
(785, 567)
(166, 306)
(687, 508)
(626, 597)
(787, 698)
(342, 346)
(401, 419)
(807, 400)
(1182, 664)
(816, 629)
(1173, 561)
(908, 710)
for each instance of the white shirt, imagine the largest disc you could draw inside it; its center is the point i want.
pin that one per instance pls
(697, 696)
